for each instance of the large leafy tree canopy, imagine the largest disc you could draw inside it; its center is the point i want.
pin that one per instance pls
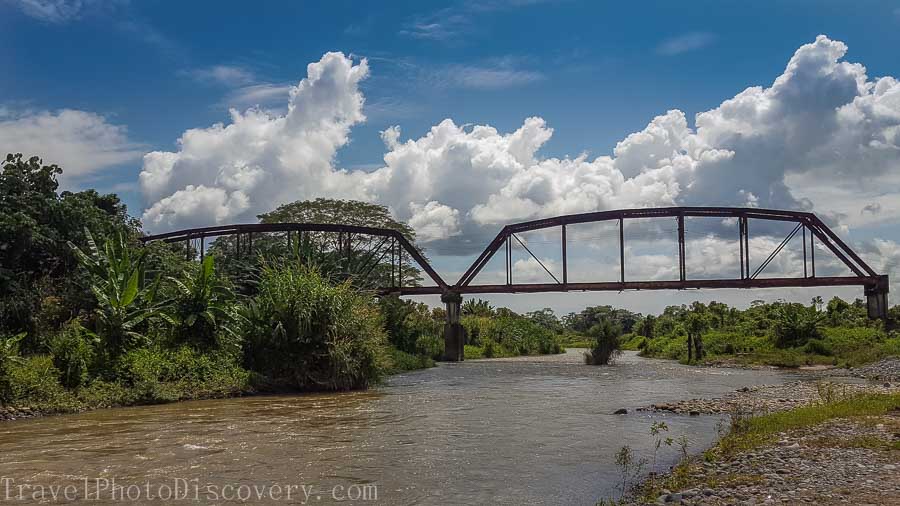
(367, 264)
(333, 211)
(37, 267)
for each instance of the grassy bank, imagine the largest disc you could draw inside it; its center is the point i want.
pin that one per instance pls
(747, 432)
(152, 376)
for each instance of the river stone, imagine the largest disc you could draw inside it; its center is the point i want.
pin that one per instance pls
(620, 411)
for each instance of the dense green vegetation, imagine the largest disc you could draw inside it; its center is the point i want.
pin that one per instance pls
(91, 318)
(779, 333)
(503, 333)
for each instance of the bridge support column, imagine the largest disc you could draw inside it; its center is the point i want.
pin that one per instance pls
(454, 332)
(876, 299)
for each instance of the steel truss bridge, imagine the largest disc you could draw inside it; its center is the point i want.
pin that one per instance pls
(381, 245)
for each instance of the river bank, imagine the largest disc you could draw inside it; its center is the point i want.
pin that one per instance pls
(823, 438)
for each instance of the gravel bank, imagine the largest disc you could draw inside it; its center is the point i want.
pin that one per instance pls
(844, 461)
(772, 398)
(839, 462)
(887, 369)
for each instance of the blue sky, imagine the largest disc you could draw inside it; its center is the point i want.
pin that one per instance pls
(143, 73)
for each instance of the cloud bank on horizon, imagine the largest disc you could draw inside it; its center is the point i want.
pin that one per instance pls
(823, 123)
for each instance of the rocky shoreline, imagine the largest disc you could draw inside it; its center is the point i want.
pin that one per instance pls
(772, 398)
(843, 461)
(14, 413)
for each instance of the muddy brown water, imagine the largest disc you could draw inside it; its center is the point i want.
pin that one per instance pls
(533, 430)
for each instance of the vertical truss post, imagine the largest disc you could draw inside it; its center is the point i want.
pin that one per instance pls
(565, 266)
(621, 249)
(250, 243)
(812, 252)
(804, 251)
(741, 243)
(745, 247)
(681, 269)
(393, 250)
(202, 237)
(289, 241)
(237, 245)
(340, 249)
(508, 261)
(344, 253)
(187, 248)
(747, 244)
(399, 265)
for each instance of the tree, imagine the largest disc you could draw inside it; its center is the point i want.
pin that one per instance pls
(37, 269)
(796, 324)
(697, 323)
(545, 318)
(836, 310)
(817, 302)
(477, 307)
(338, 258)
(647, 326)
(606, 343)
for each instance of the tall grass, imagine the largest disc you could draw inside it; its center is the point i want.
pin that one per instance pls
(305, 334)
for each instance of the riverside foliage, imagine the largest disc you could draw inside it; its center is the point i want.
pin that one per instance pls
(90, 318)
(779, 333)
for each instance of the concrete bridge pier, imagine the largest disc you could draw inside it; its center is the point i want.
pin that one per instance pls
(454, 332)
(876, 299)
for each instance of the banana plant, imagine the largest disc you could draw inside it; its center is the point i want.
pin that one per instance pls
(124, 299)
(202, 312)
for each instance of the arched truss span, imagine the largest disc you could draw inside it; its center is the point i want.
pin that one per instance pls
(805, 224)
(392, 246)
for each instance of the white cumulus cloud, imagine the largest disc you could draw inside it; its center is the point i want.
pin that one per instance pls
(82, 143)
(823, 121)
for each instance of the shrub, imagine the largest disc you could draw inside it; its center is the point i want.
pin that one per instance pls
(488, 349)
(9, 355)
(406, 321)
(818, 347)
(304, 333)
(35, 381)
(430, 346)
(606, 343)
(401, 361)
(473, 352)
(73, 352)
(161, 375)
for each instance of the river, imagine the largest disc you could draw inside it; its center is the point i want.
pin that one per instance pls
(528, 430)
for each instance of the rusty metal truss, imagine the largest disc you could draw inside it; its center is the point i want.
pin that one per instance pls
(808, 225)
